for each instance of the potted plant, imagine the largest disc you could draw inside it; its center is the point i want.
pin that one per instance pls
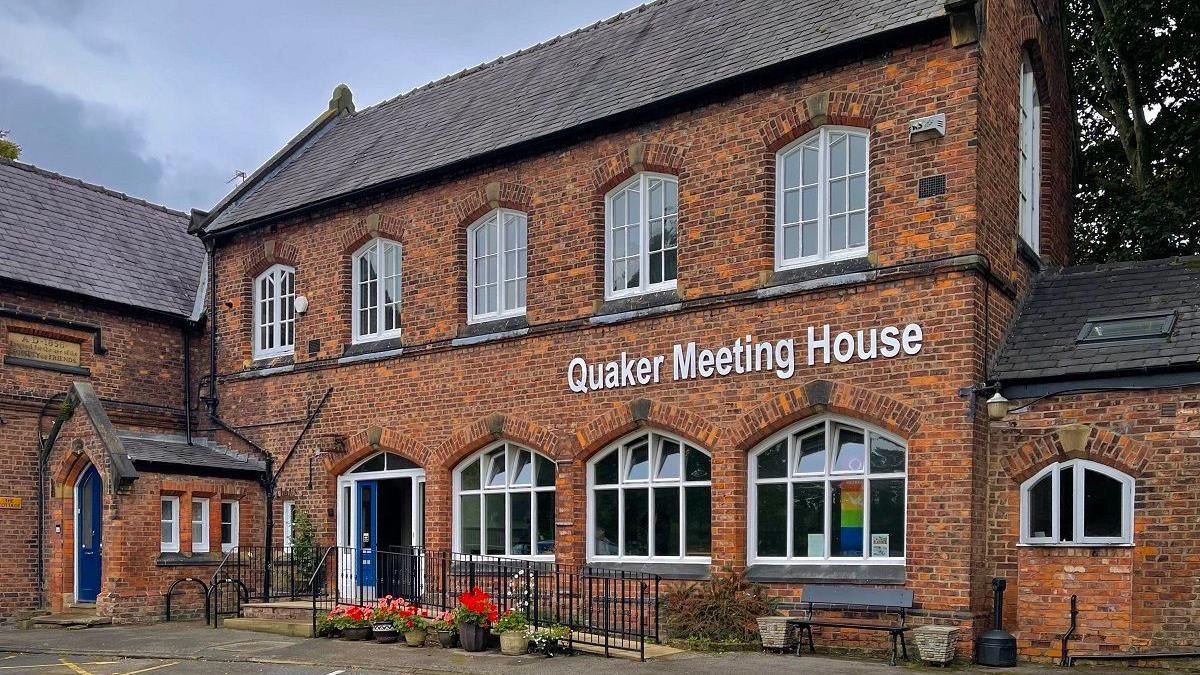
(352, 621)
(475, 612)
(548, 640)
(385, 616)
(414, 626)
(443, 627)
(511, 628)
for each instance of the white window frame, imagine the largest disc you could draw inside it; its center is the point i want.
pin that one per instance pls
(823, 254)
(507, 490)
(283, 312)
(173, 545)
(827, 477)
(644, 286)
(1030, 158)
(1078, 468)
(376, 247)
(200, 545)
(234, 524)
(497, 217)
(622, 447)
(289, 514)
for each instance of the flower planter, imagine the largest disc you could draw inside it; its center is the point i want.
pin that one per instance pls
(514, 644)
(473, 637)
(415, 638)
(356, 633)
(446, 638)
(384, 632)
(936, 644)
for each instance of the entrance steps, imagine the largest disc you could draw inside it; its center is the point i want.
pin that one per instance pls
(302, 629)
(71, 617)
(290, 618)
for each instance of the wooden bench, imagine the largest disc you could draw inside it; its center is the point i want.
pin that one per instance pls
(857, 600)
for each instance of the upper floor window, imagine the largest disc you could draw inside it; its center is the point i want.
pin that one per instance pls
(1077, 502)
(821, 205)
(1031, 154)
(827, 489)
(289, 519)
(496, 247)
(504, 503)
(377, 291)
(642, 223)
(275, 312)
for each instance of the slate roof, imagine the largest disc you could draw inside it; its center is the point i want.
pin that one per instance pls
(145, 450)
(65, 234)
(1042, 342)
(644, 56)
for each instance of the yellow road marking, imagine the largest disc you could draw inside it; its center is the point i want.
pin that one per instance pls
(55, 665)
(74, 668)
(146, 670)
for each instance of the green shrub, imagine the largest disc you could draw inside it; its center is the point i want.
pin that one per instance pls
(723, 609)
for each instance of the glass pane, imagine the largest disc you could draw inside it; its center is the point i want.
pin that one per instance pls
(838, 196)
(671, 205)
(666, 521)
(791, 243)
(545, 471)
(226, 533)
(670, 231)
(633, 207)
(668, 460)
(168, 509)
(810, 454)
(1102, 498)
(1041, 506)
(850, 451)
(791, 169)
(808, 200)
(837, 155)
(858, 193)
(1066, 504)
(639, 461)
(522, 467)
(772, 519)
(197, 532)
(858, 228)
(607, 522)
(470, 476)
(886, 455)
(166, 533)
(655, 193)
(837, 233)
(858, 154)
(493, 518)
(887, 518)
(521, 523)
(637, 519)
(86, 513)
(469, 523)
(545, 523)
(375, 463)
(618, 210)
(809, 239)
(496, 473)
(656, 267)
(772, 462)
(670, 264)
(698, 514)
(606, 469)
(808, 520)
(812, 159)
(396, 462)
(791, 206)
(699, 465)
(846, 513)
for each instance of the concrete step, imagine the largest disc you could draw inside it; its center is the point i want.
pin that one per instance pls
(297, 611)
(70, 619)
(273, 626)
(653, 649)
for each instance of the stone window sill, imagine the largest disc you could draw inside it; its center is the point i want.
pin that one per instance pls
(187, 559)
(796, 275)
(666, 570)
(820, 573)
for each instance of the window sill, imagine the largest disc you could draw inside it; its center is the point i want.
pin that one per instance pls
(371, 347)
(167, 559)
(46, 365)
(666, 570)
(1071, 544)
(646, 304)
(820, 270)
(508, 324)
(888, 573)
(1026, 253)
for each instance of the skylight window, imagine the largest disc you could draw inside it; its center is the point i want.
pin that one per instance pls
(1141, 327)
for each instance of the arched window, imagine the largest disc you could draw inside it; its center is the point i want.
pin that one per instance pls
(496, 255)
(650, 499)
(377, 291)
(641, 235)
(504, 503)
(1077, 502)
(821, 198)
(1031, 155)
(829, 489)
(275, 312)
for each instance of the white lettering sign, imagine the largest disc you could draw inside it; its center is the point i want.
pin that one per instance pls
(690, 361)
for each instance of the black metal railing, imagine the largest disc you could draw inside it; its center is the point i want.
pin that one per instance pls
(610, 609)
(261, 574)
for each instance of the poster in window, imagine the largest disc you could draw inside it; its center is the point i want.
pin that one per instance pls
(881, 545)
(816, 545)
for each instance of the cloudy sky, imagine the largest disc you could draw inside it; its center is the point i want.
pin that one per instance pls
(166, 99)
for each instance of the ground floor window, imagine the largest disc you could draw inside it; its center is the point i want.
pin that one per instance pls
(504, 502)
(1077, 502)
(289, 516)
(650, 498)
(828, 489)
(200, 526)
(168, 537)
(229, 525)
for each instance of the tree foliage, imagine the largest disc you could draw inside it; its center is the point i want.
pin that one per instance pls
(1136, 81)
(8, 149)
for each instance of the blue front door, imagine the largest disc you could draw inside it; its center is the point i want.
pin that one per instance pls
(368, 498)
(87, 529)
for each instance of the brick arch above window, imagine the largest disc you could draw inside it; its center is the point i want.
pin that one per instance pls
(374, 226)
(370, 441)
(496, 195)
(1078, 441)
(272, 252)
(484, 431)
(843, 108)
(638, 157)
(819, 397)
(598, 433)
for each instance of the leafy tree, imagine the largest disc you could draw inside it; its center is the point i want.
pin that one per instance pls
(8, 149)
(1136, 80)
(305, 553)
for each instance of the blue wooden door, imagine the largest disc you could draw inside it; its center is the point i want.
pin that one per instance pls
(87, 528)
(368, 498)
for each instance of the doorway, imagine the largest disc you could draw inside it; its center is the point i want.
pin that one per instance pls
(381, 527)
(88, 541)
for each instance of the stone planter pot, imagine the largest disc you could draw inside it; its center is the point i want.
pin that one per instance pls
(446, 638)
(473, 637)
(936, 644)
(356, 633)
(514, 643)
(384, 632)
(415, 638)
